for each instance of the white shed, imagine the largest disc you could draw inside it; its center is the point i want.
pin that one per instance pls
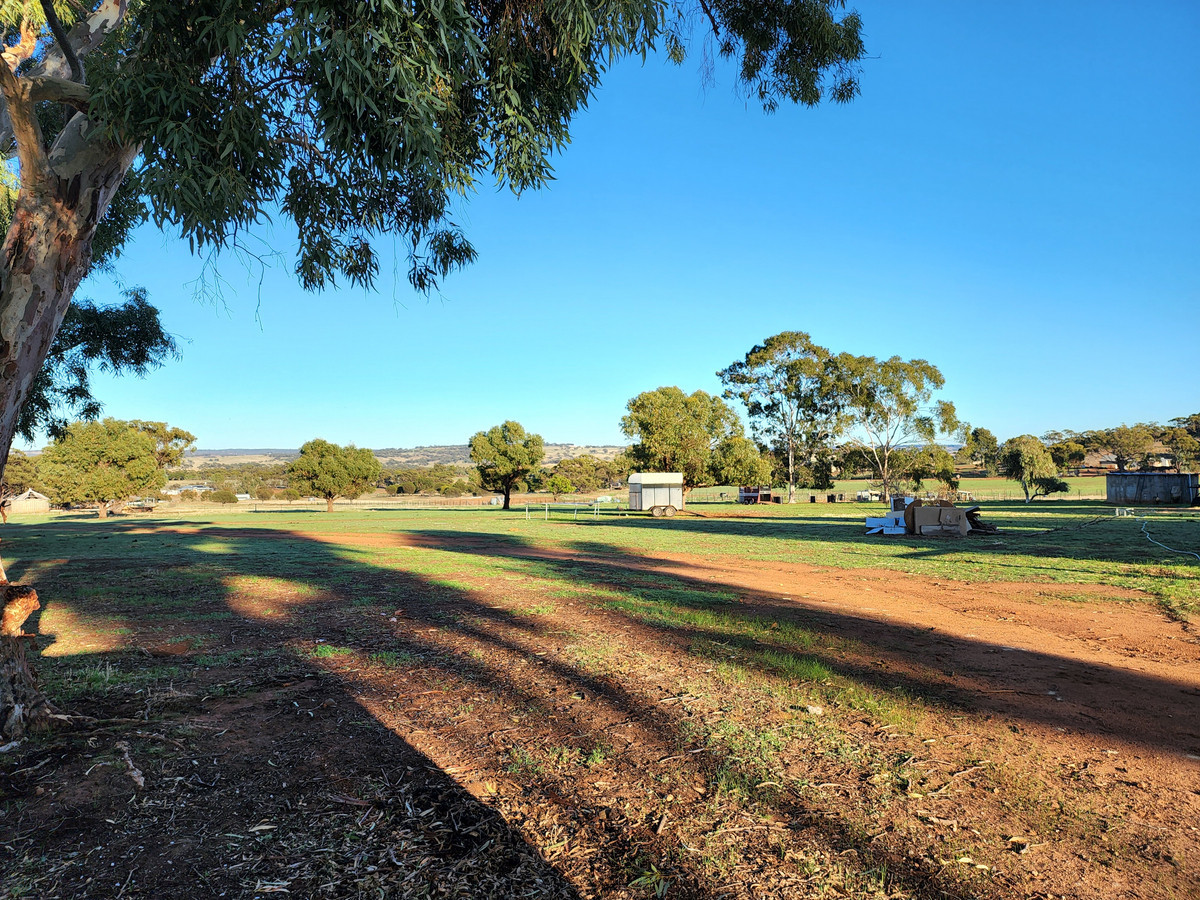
(29, 502)
(659, 492)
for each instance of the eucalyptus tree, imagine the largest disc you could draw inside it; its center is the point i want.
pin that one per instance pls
(1185, 449)
(793, 394)
(890, 405)
(677, 432)
(100, 462)
(982, 448)
(170, 443)
(327, 470)
(1129, 445)
(505, 455)
(350, 119)
(1027, 461)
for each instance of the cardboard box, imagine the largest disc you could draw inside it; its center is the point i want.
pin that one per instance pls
(938, 519)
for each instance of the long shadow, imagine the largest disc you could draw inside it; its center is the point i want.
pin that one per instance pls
(1034, 537)
(1135, 711)
(224, 579)
(799, 534)
(284, 778)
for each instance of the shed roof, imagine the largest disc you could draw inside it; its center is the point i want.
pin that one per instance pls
(656, 478)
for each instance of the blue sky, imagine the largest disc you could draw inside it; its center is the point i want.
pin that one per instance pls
(1014, 197)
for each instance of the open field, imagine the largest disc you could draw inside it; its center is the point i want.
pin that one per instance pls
(1086, 487)
(741, 702)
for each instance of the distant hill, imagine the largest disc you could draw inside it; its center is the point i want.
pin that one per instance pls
(415, 457)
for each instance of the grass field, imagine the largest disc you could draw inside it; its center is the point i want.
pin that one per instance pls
(1088, 487)
(738, 702)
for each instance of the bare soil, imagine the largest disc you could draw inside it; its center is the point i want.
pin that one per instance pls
(457, 746)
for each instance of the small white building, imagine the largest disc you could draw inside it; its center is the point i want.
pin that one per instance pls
(659, 492)
(29, 502)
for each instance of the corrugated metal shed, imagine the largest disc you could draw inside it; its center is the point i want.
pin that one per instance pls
(1153, 488)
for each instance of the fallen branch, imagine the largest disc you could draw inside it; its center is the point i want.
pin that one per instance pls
(133, 771)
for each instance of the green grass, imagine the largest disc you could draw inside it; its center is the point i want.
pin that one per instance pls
(188, 577)
(68, 682)
(488, 576)
(1090, 487)
(329, 651)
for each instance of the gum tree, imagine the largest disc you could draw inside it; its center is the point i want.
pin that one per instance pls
(329, 471)
(102, 463)
(351, 120)
(1129, 445)
(793, 394)
(677, 432)
(1026, 461)
(890, 404)
(506, 455)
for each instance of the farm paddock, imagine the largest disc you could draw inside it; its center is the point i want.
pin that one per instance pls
(471, 704)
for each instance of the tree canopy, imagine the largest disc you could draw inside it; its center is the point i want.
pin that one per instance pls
(930, 461)
(983, 449)
(793, 393)
(1067, 454)
(352, 120)
(737, 460)
(21, 474)
(505, 455)
(890, 404)
(100, 462)
(330, 471)
(1185, 449)
(169, 443)
(586, 473)
(678, 432)
(1026, 461)
(1129, 445)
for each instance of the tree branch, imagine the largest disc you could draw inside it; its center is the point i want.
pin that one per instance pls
(85, 35)
(17, 53)
(64, 43)
(31, 153)
(58, 90)
(712, 19)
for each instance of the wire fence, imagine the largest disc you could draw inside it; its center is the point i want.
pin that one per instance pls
(588, 505)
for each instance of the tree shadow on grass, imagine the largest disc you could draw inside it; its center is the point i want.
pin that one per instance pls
(262, 769)
(295, 669)
(376, 667)
(1138, 709)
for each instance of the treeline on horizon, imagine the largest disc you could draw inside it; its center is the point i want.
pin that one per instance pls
(1142, 446)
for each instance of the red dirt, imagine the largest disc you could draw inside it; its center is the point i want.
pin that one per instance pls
(1060, 748)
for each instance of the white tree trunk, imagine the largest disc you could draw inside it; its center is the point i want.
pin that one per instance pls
(47, 252)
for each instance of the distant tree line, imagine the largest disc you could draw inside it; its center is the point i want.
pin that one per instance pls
(1146, 445)
(815, 417)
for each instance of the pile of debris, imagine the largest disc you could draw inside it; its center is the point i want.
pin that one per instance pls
(941, 518)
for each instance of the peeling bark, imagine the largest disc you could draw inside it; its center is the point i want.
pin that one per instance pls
(65, 191)
(23, 707)
(47, 252)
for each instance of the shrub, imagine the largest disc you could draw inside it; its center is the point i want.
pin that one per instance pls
(223, 497)
(290, 494)
(264, 493)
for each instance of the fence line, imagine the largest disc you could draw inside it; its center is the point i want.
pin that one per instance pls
(519, 502)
